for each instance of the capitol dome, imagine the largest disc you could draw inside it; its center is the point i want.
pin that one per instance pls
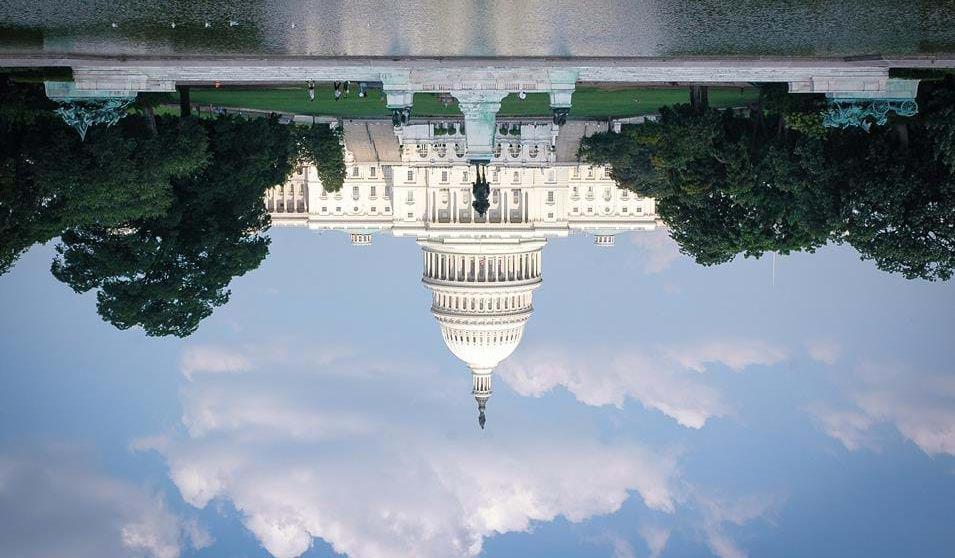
(482, 298)
(482, 342)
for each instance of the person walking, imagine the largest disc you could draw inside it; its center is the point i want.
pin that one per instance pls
(346, 88)
(311, 90)
(338, 90)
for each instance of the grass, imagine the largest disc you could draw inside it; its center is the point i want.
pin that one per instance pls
(588, 102)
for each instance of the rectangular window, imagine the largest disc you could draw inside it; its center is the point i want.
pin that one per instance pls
(494, 176)
(465, 179)
(373, 191)
(354, 191)
(550, 197)
(387, 192)
(410, 196)
(373, 172)
(355, 171)
(517, 177)
(410, 176)
(444, 176)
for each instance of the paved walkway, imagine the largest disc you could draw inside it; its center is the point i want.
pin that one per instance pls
(149, 73)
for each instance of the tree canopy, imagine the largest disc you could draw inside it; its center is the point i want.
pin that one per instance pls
(157, 214)
(168, 272)
(773, 179)
(321, 145)
(51, 181)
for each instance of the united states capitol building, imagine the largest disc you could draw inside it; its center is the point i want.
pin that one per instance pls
(482, 271)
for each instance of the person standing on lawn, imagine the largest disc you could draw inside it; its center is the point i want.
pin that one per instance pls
(311, 90)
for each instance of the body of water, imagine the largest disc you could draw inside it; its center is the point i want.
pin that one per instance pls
(486, 28)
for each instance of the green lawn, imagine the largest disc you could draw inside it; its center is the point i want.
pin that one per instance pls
(588, 102)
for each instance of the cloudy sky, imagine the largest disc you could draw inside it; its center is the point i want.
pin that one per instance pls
(654, 408)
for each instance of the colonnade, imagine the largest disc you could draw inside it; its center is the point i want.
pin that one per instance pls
(455, 204)
(482, 269)
(506, 302)
(287, 198)
(483, 337)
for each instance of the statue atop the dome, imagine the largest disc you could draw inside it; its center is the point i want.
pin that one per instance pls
(481, 190)
(482, 403)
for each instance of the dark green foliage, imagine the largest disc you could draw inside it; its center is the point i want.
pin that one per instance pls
(168, 272)
(321, 146)
(727, 184)
(51, 180)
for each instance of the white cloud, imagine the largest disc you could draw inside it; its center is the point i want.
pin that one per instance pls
(91, 515)
(825, 351)
(619, 546)
(920, 405)
(719, 512)
(657, 249)
(656, 538)
(207, 359)
(394, 477)
(734, 354)
(666, 380)
(852, 428)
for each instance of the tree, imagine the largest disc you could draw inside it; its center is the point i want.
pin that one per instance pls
(321, 145)
(167, 273)
(51, 180)
(772, 180)
(900, 209)
(724, 184)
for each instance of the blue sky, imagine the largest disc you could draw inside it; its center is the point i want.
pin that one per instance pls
(654, 408)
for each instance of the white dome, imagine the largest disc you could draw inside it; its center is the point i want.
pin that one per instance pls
(482, 342)
(481, 295)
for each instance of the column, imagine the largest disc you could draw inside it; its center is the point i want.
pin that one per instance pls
(505, 195)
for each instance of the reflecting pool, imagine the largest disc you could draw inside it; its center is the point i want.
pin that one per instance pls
(487, 28)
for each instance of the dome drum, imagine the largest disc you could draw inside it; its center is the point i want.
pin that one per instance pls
(521, 267)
